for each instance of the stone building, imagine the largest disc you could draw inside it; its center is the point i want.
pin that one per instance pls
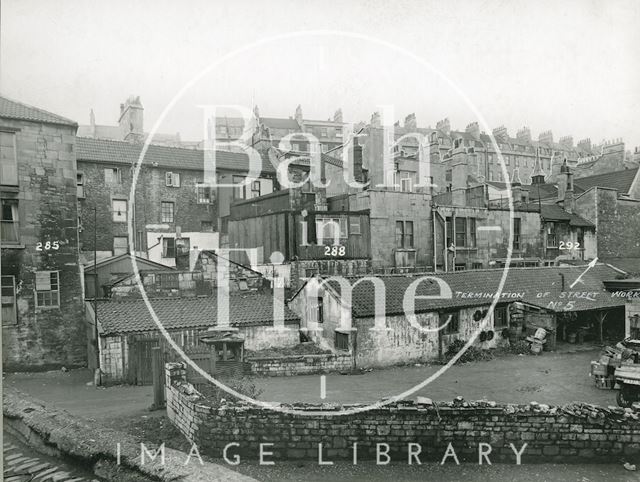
(174, 210)
(42, 305)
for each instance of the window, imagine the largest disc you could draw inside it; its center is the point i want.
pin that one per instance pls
(326, 229)
(8, 159)
(323, 132)
(500, 319)
(172, 179)
(80, 185)
(168, 248)
(112, 176)
(338, 131)
(255, 189)
(47, 289)
(167, 280)
(206, 226)
(238, 191)
(204, 194)
(342, 341)
(460, 267)
(580, 237)
(119, 210)
(120, 245)
(140, 241)
(404, 234)
(552, 236)
(354, 225)
(449, 223)
(506, 160)
(516, 160)
(9, 314)
(516, 233)
(406, 184)
(453, 325)
(324, 147)
(472, 232)
(476, 265)
(166, 210)
(10, 222)
(461, 231)
(320, 305)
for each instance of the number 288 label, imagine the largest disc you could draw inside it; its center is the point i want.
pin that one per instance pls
(335, 250)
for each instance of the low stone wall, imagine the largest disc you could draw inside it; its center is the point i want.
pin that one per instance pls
(54, 432)
(289, 365)
(451, 431)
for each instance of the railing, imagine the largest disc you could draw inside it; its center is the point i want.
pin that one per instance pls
(9, 232)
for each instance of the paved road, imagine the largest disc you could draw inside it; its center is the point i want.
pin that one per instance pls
(22, 464)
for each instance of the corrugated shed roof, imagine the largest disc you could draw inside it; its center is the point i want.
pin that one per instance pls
(619, 180)
(120, 152)
(129, 316)
(17, 110)
(526, 283)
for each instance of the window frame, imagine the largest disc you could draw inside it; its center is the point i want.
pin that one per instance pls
(459, 232)
(166, 249)
(80, 194)
(408, 181)
(14, 221)
(114, 178)
(473, 232)
(172, 179)
(320, 310)
(14, 296)
(453, 328)
(517, 233)
(201, 194)
(354, 222)
(49, 291)
(126, 245)
(552, 233)
(163, 212)
(10, 161)
(499, 310)
(116, 218)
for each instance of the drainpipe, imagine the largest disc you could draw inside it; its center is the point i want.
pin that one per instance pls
(435, 241)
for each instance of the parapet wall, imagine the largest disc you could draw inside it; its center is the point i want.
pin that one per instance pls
(572, 434)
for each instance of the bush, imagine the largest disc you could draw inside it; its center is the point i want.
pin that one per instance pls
(245, 385)
(472, 354)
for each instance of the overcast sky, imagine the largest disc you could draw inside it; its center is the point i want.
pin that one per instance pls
(572, 66)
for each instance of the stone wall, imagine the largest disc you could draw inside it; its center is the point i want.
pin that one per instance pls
(44, 337)
(570, 434)
(285, 366)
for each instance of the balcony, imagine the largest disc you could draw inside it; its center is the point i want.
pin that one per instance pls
(9, 232)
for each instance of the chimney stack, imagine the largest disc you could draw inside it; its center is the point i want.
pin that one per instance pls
(474, 129)
(562, 181)
(516, 187)
(568, 202)
(444, 126)
(524, 135)
(410, 122)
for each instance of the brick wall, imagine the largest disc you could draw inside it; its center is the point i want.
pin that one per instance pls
(46, 194)
(572, 434)
(301, 364)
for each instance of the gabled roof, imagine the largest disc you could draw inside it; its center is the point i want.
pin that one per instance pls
(17, 110)
(618, 180)
(524, 283)
(120, 152)
(130, 316)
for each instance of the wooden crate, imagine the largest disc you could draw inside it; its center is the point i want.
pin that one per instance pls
(604, 382)
(598, 369)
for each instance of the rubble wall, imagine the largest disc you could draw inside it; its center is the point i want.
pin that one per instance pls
(571, 434)
(285, 366)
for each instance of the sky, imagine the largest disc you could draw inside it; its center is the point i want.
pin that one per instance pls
(571, 66)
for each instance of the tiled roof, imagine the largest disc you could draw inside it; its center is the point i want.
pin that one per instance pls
(247, 309)
(279, 123)
(527, 282)
(17, 110)
(553, 212)
(120, 152)
(619, 180)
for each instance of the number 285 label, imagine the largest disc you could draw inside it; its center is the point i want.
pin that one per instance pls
(55, 245)
(335, 250)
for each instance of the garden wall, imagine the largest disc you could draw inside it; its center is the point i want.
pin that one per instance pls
(289, 365)
(573, 434)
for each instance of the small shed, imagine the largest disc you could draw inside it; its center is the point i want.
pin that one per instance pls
(111, 269)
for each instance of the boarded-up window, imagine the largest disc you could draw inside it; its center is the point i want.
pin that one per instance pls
(47, 289)
(9, 316)
(120, 245)
(112, 175)
(8, 159)
(354, 225)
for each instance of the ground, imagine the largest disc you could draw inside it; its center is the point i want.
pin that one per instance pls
(553, 378)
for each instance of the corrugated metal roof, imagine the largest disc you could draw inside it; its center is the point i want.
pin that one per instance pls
(17, 110)
(129, 316)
